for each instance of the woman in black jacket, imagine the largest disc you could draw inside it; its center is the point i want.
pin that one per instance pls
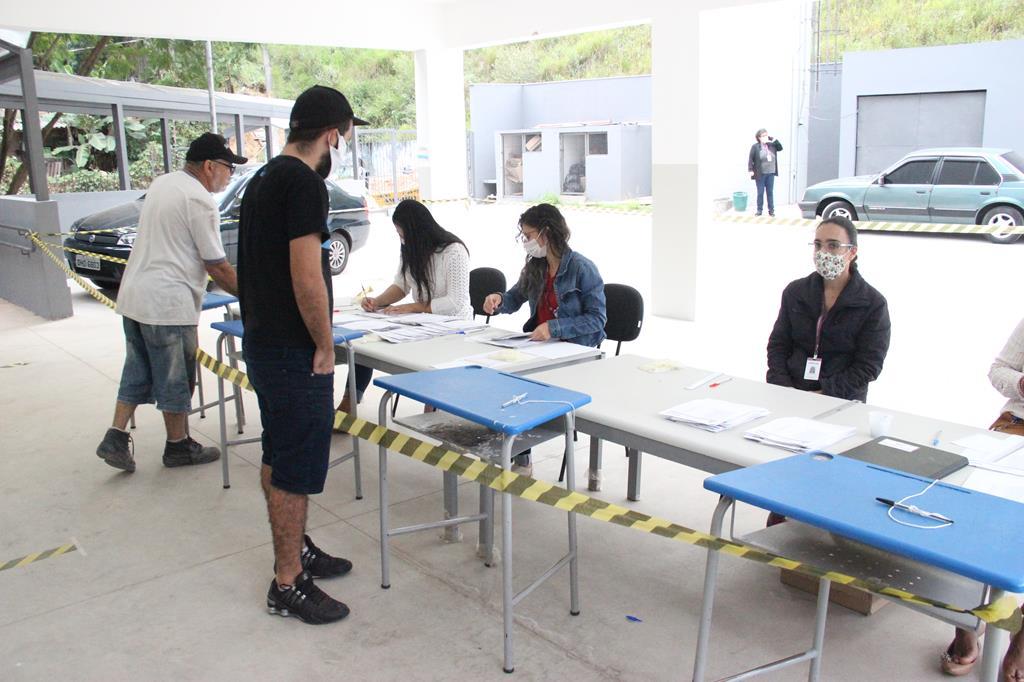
(763, 166)
(832, 333)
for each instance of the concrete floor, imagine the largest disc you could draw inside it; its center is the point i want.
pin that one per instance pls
(175, 569)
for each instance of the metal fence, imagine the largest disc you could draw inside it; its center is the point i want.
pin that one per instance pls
(386, 162)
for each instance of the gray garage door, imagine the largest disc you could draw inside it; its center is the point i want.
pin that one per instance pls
(889, 126)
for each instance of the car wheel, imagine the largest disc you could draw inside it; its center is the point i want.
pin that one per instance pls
(1003, 216)
(839, 209)
(337, 254)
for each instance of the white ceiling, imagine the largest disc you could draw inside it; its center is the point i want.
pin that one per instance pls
(393, 24)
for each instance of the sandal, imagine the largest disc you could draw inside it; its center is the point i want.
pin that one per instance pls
(951, 667)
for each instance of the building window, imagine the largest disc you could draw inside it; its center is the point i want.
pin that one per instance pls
(597, 143)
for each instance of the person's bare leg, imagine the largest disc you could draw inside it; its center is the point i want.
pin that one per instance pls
(287, 512)
(1013, 662)
(176, 424)
(122, 414)
(964, 649)
(265, 473)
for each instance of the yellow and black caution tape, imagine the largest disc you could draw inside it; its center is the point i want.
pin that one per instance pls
(37, 556)
(1002, 613)
(874, 225)
(93, 254)
(90, 289)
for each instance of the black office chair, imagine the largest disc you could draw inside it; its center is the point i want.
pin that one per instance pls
(625, 308)
(482, 283)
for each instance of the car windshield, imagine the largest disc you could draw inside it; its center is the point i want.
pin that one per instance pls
(1016, 160)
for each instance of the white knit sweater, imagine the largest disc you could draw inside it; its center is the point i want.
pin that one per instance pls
(1007, 372)
(449, 283)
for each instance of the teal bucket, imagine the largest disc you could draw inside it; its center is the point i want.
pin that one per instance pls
(739, 201)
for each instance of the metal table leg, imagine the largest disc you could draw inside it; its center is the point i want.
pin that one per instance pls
(351, 358)
(382, 454)
(223, 417)
(450, 483)
(710, 580)
(574, 586)
(594, 472)
(633, 487)
(508, 596)
(996, 641)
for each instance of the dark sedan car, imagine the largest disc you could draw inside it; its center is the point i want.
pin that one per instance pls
(348, 221)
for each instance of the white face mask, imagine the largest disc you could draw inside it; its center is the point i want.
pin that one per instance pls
(535, 250)
(829, 265)
(337, 157)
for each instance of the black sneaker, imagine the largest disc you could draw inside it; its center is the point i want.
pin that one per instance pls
(306, 601)
(320, 564)
(117, 449)
(186, 452)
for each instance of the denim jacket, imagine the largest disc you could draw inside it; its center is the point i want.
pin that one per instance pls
(581, 313)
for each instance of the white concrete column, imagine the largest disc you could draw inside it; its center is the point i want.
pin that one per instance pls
(440, 123)
(674, 65)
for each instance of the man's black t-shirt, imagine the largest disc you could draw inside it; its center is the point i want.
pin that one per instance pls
(285, 200)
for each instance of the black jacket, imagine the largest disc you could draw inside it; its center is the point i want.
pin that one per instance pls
(854, 337)
(753, 163)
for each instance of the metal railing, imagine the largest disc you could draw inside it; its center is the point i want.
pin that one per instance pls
(386, 162)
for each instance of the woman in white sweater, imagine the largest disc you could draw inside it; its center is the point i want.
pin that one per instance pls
(434, 270)
(1007, 377)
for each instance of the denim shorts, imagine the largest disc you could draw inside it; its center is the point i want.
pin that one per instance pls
(159, 365)
(297, 413)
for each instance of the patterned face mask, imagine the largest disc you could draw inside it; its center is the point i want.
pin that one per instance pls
(829, 265)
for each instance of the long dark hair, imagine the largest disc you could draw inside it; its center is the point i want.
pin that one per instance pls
(423, 237)
(849, 228)
(547, 220)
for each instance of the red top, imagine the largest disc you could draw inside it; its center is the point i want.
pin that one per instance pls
(548, 304)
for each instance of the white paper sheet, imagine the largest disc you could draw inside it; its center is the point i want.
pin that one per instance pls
(552, 350)
(981, 448)
(799, 434)
(1002, 485)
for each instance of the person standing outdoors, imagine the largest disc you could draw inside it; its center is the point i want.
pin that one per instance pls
(176, 246)
(763, 166)
(286, 300)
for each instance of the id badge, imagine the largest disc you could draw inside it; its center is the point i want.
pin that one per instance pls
(813, 369)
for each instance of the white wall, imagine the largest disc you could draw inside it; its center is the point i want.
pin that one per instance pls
(747, 77)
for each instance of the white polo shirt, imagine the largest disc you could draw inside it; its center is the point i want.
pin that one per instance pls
(178, 234)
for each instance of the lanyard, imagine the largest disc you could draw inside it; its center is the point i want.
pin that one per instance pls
(817, 335)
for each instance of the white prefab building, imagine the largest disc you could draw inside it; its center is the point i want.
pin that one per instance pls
(601, 162)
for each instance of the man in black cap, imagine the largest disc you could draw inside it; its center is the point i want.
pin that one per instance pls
(286, 300)
(176, 246)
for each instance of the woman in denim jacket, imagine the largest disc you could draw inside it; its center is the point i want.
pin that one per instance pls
(563, 288)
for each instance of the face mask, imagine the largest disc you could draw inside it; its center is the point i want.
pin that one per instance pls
(331, 162)
(535, 250)
(829, 265)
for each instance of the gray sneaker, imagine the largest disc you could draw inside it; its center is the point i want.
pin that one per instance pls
(187, 452)
(117, 449)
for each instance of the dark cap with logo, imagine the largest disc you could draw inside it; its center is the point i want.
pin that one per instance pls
(322, 107)
(212, 147)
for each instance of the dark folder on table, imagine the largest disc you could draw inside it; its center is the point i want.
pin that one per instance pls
(909, 457)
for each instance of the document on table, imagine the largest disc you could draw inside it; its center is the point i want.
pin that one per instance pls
(366, 325)
(995, 483)
(981, 448)
(713, 415)
(798, 434)
(499, 359)
(517, 340)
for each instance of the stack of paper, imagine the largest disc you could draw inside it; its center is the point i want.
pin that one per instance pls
(985, 449)
(411, 327)
(517, 340)
(713, 415)
(799, 435)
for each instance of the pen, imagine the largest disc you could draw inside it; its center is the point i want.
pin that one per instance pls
(914, 510)
(515, 399)
(719, 383)
(938, 435)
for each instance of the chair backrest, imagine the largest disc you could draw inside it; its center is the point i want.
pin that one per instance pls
(625, 308)
(482, 283)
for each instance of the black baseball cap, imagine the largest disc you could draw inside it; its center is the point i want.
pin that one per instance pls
(210, 147)
(321, 107)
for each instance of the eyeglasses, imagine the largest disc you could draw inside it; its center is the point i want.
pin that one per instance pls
(229, 166)
(831, 245)
(522, 237)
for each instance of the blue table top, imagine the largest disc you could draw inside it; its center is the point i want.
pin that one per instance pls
(985, 542)
(234, 328)
(477, 394)
(211, 300)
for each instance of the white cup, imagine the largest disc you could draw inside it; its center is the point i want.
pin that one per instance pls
(880, 423)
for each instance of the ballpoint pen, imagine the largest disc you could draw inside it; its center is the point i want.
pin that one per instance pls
(938, 435)
(719, 383)
(515, 400)
(915, 510)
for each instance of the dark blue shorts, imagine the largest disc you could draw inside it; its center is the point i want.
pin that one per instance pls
(297, 412)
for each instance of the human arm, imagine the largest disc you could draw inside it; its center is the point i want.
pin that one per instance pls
(1007, 371)
(311, 298)
(780, 347)
(871, 347)
(392, 294)
(776, 145)
(512, 300)
(223, 274)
